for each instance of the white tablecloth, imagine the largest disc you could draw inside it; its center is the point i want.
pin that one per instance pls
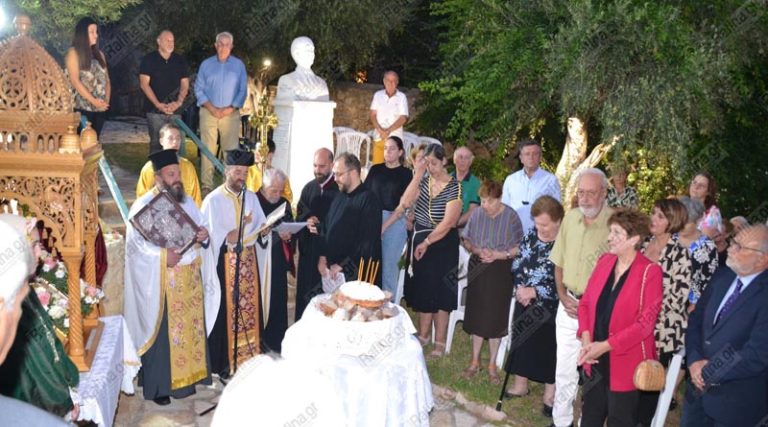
(113, 369)
(386, 384)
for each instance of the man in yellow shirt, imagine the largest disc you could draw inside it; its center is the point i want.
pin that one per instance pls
(170, 139)
(253, 181)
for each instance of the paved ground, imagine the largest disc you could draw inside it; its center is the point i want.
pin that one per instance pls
(450, 409)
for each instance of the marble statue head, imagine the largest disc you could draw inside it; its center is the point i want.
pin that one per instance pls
(303, 51)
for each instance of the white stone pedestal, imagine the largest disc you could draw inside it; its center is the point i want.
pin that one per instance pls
(302, 128)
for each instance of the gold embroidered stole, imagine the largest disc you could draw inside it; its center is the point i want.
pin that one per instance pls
(250, 296)
(183, 289)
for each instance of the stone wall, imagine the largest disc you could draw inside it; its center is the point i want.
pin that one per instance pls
(353, 103)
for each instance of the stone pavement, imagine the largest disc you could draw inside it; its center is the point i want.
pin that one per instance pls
(451, 409)
(135, 411)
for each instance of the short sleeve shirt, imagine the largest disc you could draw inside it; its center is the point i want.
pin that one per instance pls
(389, 109)
(164, 77)
(578, 246)
(470, 185)
(430, 212)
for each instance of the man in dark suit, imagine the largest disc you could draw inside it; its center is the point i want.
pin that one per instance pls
(727, 340)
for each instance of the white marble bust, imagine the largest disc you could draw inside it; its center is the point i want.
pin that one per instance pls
(302, 84)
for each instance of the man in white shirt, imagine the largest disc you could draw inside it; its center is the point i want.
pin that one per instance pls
(523, 187)
(389, 112)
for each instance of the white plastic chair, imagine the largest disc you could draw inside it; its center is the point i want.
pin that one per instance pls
(504, 344)
(429, 140)
(665, 398)
(457, 315)
(349, 140)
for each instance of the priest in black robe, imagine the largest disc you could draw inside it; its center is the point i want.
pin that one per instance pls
(270, 198)
(351, 231)
(316, 198)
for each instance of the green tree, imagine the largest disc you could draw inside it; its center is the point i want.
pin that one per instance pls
(650, 82)
(53, 22)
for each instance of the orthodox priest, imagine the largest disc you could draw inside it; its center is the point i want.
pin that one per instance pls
(351, 231)
(315, 200)
(221, 210)
(278, 260)
(165, 306)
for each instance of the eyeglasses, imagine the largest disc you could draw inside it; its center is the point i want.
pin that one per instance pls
(340, 174)
(738, 247)
(590, 193)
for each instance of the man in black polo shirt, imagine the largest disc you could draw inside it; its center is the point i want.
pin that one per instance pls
(164, 79)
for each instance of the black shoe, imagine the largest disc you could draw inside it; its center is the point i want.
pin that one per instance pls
(673, 404)
(162, 401)
(224, 375)
(508, 395)
(546, 410)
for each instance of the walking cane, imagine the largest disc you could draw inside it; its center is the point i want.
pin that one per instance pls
(509, 354)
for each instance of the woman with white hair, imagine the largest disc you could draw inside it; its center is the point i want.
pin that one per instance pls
(703, 250)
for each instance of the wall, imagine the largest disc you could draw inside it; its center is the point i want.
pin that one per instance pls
(353, 103)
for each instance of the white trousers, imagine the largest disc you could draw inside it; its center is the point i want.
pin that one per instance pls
(566, 375)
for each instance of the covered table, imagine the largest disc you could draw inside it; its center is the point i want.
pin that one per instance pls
(114, 367)
(377, 368)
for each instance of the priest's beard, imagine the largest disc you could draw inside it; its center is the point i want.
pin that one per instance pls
(321, 178)
(176, 190)
(235, 185)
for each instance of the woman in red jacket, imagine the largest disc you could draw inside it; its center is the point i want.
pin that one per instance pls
(617, 316)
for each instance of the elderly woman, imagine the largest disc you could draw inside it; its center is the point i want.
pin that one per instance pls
(534, 350)
(87, 70)
(617, 317)
(491, 237)
(619, 194)
(703, 251)
(704, 189)
(388, 182)
(663, 247)
(431, 282)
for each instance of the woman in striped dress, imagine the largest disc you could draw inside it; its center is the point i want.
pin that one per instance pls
(431, 279)
(492, 235)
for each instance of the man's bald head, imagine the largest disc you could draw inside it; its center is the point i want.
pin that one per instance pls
(462, 159)
(322, 164)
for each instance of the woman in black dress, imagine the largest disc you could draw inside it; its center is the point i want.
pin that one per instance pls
(431, 280)
(533, 350)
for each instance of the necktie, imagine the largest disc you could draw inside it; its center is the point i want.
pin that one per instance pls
(730, 301)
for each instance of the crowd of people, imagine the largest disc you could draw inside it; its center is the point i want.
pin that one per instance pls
(596, 288)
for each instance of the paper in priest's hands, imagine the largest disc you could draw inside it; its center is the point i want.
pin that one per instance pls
(273, 218)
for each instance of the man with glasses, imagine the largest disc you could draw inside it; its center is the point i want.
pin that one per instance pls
(580, 242)
(352, 229)
(727, 339)
(523, 187)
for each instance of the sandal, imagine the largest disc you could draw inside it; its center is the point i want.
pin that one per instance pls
(470, 372)
(493, 376)
(437, 352)
(510, 395)
(423, 341)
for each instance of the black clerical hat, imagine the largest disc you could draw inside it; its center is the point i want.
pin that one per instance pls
(161, 159)
(239, 158)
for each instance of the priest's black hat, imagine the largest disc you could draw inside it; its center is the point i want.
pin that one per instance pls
(239, 158)
(161, 159)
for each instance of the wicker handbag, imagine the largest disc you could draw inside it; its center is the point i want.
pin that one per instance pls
(649, 374)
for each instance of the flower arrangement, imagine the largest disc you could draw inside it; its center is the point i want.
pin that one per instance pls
(52, 290)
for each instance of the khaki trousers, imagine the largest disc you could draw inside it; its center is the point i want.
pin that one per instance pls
(228, 128)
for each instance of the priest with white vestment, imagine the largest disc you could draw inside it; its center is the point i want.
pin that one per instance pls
(221, 210)
(165, 305)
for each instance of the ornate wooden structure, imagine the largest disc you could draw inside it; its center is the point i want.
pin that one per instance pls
(44, 166)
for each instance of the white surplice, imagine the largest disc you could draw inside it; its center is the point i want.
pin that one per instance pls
(221, 210)
(142, 302)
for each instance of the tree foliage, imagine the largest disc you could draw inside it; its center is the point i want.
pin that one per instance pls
(346, 34)
(663, 77)
(53, 22)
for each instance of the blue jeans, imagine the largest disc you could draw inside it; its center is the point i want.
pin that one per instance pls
(392, 243)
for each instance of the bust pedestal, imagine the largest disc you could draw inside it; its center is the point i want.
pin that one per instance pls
(303, 127)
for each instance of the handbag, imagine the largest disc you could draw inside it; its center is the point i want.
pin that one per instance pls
(649, 374)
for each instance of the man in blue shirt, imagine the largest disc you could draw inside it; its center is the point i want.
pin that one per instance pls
(220, 89)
